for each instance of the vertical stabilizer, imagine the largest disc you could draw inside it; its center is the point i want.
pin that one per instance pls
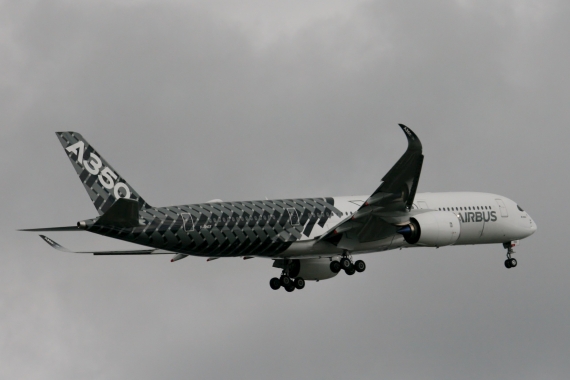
(103, 184)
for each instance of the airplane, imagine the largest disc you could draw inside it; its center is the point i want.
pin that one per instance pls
(309, 239)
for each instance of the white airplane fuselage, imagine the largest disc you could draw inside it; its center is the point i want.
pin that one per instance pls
(483, 218)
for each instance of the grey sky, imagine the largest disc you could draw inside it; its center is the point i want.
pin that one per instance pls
(194, 100)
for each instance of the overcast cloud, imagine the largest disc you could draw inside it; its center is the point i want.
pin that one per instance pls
(195, 100)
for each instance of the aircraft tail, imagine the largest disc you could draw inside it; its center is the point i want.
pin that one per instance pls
(103, 184)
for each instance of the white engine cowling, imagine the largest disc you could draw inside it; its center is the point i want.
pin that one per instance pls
(433, 229)
(311, 269)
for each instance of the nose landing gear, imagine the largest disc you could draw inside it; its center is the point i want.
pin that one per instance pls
(510, 262)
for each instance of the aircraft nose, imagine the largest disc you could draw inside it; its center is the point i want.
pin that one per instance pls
(533, 226)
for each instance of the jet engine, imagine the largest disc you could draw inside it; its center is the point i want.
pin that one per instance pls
(309, 269)
(432, 229)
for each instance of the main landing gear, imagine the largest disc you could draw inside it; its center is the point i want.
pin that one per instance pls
(510, 262)
(346, 264)
(288, 283)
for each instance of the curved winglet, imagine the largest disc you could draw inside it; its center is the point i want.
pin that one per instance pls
(55, 245)
(405, 173)
(414, 142)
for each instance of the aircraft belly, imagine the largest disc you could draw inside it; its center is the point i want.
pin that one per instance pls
(384, 244)
(310, 249)
(480, 233)
(470, 233)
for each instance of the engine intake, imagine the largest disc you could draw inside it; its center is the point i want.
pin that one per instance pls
(432, 229)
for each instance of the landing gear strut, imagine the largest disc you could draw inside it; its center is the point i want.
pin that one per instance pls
(285, 281)
(510, 262)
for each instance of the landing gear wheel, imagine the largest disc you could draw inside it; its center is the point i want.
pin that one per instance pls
(286, 281)
(510, 262)
(335, 266)
(290, 288)
(359, 266)
(350, 271)
(345, 263)
(299, 283)
(275, 283)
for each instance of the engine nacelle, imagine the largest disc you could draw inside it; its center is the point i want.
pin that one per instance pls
(311, 269)
(432, 229)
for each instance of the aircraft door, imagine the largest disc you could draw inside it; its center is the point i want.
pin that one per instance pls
(188, 221)
(293, 216)
(502, 207)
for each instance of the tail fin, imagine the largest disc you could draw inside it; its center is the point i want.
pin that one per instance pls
(103, 184)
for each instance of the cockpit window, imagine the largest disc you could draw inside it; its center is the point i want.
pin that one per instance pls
(519, 207)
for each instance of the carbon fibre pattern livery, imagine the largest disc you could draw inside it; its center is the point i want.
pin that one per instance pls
(101, 181)
(310, 239)
(226, 229)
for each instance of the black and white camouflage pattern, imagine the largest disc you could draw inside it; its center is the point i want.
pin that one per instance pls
(227, 229)
(253, 228)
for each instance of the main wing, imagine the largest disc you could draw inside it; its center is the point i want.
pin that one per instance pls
(393, 197)
(151, 251)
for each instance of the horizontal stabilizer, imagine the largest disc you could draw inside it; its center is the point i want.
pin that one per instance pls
(124, 213)
(59, 247)
(47, 229)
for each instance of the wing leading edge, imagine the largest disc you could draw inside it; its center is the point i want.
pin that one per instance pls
(395, 194)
